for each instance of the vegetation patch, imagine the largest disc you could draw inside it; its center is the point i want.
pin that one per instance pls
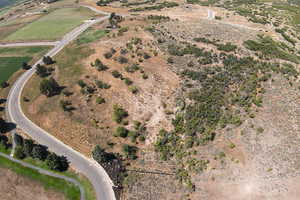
(271, 49)
(158, 6)
(90, 35)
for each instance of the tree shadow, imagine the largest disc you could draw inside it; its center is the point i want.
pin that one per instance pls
(2, 101)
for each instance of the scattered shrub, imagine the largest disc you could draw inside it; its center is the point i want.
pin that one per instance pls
(119, 113)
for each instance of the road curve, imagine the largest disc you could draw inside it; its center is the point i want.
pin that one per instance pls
(91, 169)
(48, 173)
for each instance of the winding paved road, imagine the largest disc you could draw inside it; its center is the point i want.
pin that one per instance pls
(48, 173)
(90, 168)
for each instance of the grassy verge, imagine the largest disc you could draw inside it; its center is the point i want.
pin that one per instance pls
(69, 190)
(4, 150)
(90, 35)
(88, 188)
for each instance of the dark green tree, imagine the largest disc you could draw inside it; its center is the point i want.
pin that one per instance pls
(40, 152)
(121, 132)
(4, 84)
(47, 60)
(49, 87)
(58, 163)
(18, 140)
(25, 66)
(130, 151)
(101, 156)
(19, 153)
(3, 126)
(41, 71)
(28, 145)
(119, 113)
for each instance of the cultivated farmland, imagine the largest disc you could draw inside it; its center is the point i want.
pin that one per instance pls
(8, 65)
(11, 59)
(52, 26)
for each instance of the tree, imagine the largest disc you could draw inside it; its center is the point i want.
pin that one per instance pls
(66, 105)
(19, 153)
(116, 74)
(25, 66)
(121, 132)
(64, 163)
(58, 163)
(130, 151)
(4, 141)
(18, 140)
(47, 60)
(41, 71)
(4, 84)
(3, 126)
(119, 114)
(99, 65)
(49, 87)
(114, 20)
(52, 161)
(40, 152)
(28, 147)
(101, 156)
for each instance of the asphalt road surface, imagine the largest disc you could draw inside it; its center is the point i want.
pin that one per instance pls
(90, 168)
(26, 44)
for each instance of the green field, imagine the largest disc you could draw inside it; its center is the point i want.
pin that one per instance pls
(9, 65)
(90, 35)
(11, 59)
(52, 26)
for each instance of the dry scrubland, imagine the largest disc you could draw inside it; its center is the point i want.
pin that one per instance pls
(236, 118)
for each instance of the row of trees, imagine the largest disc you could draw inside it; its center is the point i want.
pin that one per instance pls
(27, 148)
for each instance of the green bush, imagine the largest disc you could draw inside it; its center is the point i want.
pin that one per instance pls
(121, 132)
(132, 68)
(119, 113)
(130, 151)
(116, 74)
(228, 47)
(100, 100)
(133, 89)
(102, 85)
(128, 81)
